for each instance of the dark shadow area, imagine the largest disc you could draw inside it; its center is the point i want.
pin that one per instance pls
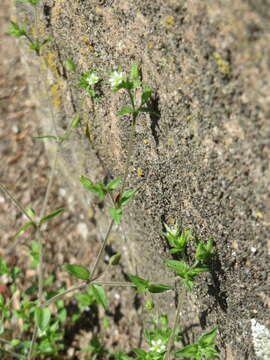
(215, 289)
(88, 321)
(154, 117)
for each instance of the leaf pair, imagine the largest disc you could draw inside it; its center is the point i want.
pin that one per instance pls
(31, 214)
(117, 212)
(187, 273)
(143, 285)
(177, 239)
(204, 348)
(99, 188)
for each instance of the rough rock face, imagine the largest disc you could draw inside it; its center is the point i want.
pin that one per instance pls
(204, 160)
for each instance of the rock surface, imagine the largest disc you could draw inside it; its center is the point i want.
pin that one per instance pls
(204, 160)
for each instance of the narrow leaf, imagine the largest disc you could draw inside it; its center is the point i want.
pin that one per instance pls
(75, 122)
(146, 94)
(100, 295)
(70, 64)
(127, 195)
(30, 212)
(208, 338)
(52, 215)
(188, 351)
(113, 184)
(140, 283)
(134, 72)
(159, 288)
(46, 137)
(116, 214)
(42, 317)
(125, 110)
(80, 272)
(24, 227)
(115, 259)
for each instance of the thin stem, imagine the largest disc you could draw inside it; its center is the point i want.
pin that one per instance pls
(58, 296)
(45, 202)
(39, 239)
(19, 206)
(176, 319)
(113, 283)
(33, 341)
(129, 155)
(102, 249)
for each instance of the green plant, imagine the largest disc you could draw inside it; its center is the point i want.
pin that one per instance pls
(41, 322)
(204, 348)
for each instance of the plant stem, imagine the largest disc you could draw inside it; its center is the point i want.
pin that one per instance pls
(19, 206)
(176, 319)
(113, 283)
(129, 155)
(39, 239)
(33, 341)
(58, 296)
(101, 249)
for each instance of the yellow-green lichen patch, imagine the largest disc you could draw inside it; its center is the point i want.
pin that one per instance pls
(140, 172)
(169, 21)
(223, 65)
(55, 91)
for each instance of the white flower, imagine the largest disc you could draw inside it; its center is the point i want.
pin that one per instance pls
(116, 78)
(92, 79)
(157, 346)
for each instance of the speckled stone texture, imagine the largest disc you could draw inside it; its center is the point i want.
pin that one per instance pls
(205, 160)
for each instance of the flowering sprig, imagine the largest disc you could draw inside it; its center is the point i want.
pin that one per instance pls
(117, 80)
(88, 81)
(157, 346)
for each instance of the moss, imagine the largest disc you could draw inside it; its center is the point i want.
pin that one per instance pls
(223, 65)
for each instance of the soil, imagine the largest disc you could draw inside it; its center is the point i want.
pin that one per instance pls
(70, 239)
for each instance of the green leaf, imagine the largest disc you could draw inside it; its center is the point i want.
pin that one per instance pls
(126, 110)
(140, 283)
(100, 295)
(70, 64)
(34, 253)
(127, 195)
(42, 317)
(75, 122)
(158, 288)
(139, 352)
(52, 215)
(80, 272)
(24, 227)
(208, 338)
(204, 251)
(30, 212)
(99, 188)
(1, 327)
(197, 270)
(32, 2)
(113, 184)
(15, 30)
(188, 351)
(116, 214)
(178, 266)
(115, 259)
(146, 94)
(134, 72)
(46, 137)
